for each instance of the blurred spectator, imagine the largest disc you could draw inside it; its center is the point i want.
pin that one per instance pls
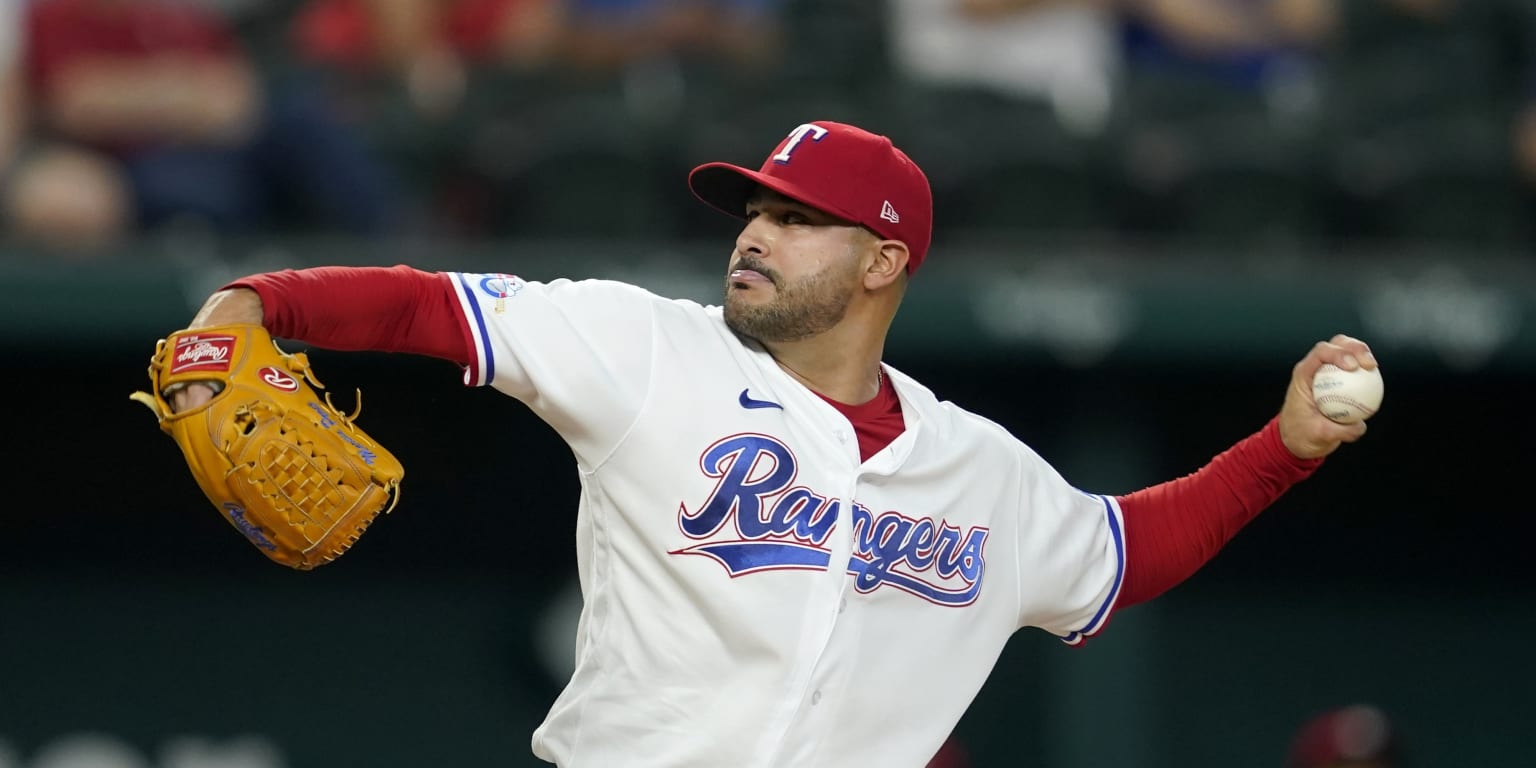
(429, 45)
(165, 90)
(1258, 45)
(10, 83)
(1218, 113)
(605, 35)
(1025, 88)
(1358, 736)
(432, 43)
(1216, 29)
(49, 194)
(496, 111)
(1060, 52)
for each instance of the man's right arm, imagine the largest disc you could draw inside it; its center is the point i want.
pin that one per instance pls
(379, 309)
(228, 307)
(396, 309)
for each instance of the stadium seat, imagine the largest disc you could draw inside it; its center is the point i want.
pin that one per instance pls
(999, 163)
(1425, 156)
(581, 166)
(835, 47)
(1197, 157)
(1445, 179)
(1248, 181)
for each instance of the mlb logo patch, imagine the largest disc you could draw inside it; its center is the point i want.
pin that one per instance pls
(501, 286)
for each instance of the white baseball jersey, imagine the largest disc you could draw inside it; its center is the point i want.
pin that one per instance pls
(754, 593)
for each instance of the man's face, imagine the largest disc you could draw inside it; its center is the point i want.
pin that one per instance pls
(793, 272)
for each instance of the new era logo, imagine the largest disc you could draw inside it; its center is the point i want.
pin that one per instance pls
(888, 212)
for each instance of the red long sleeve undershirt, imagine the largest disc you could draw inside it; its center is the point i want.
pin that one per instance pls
(383, 309)
(1171, 529)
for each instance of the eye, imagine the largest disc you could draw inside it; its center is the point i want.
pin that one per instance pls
(752, 214)
(796, 217)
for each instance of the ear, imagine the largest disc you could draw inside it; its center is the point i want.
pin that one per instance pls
(888, 265)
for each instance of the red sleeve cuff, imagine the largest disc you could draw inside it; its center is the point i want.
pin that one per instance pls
(1280, 457)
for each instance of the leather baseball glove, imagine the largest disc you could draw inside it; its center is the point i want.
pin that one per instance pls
(300, 480)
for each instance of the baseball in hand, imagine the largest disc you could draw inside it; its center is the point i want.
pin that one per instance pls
(1347, 396)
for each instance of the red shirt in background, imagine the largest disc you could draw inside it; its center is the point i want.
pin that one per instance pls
(62, 33)
(340, 32)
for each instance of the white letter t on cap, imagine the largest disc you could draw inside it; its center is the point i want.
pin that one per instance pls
(798, 135)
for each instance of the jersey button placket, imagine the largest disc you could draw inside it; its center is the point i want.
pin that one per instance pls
(809, 677)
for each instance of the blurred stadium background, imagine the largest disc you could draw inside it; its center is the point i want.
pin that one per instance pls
(1147, 210)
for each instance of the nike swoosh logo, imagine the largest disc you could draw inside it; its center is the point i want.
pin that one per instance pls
(747, 402)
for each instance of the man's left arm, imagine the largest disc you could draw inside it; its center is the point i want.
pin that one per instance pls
(1174, 528)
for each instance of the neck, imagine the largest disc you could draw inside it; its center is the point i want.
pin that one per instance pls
(847, 372)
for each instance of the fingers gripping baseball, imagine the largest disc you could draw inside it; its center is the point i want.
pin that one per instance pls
(1304, 427)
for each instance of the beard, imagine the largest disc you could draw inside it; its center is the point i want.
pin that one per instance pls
(799, 310)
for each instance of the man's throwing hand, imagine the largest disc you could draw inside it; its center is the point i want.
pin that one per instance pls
(1303, 427)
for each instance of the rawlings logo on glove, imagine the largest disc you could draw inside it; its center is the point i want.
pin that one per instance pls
(298, 479)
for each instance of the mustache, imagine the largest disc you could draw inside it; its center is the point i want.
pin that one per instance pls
(754, 265)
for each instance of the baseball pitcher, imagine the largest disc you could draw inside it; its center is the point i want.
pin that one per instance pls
(785, 546)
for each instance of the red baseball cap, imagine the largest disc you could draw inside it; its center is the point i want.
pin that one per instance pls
(838, 169)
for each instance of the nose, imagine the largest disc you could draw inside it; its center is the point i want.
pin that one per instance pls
(754, 238)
